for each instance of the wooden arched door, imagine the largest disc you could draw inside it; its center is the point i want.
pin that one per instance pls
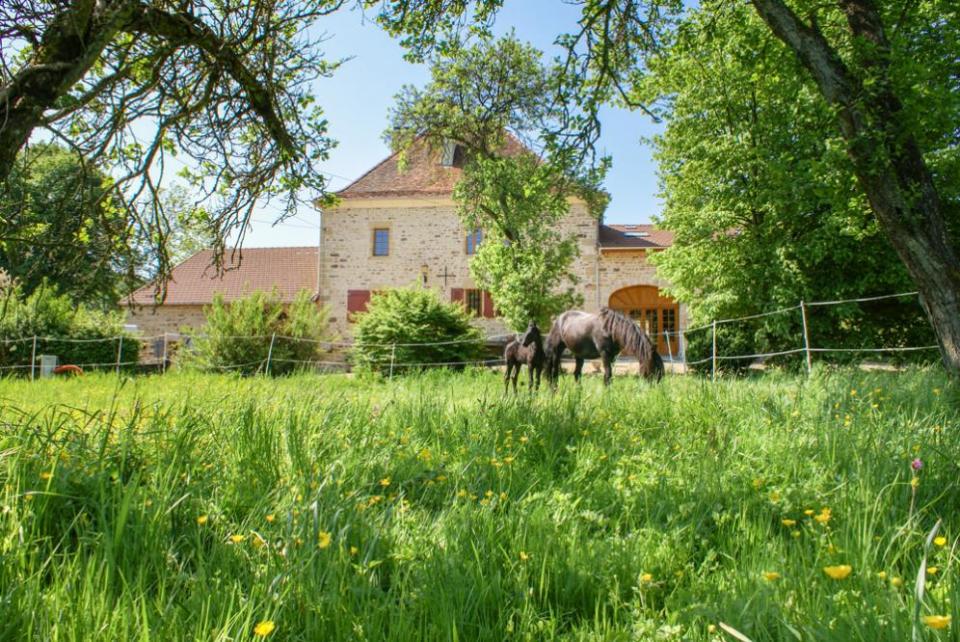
(654, 312)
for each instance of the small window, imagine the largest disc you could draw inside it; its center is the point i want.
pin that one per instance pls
(381, 242)
(474, 300)
(473, 241)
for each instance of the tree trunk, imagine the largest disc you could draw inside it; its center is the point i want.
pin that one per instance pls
(67, 50)
(886, 156)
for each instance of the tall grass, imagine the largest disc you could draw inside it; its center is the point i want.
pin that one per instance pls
(432, 508)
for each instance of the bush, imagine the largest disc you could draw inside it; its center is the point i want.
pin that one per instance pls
(413, 316)
(76, 334)
(237, 335)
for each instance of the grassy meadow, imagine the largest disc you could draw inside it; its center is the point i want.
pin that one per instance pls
(196, 506)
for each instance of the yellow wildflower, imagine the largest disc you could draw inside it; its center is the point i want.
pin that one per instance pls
(711, 628)
(524, 556)
(839, 572)
(896, 581)
(646, 577)
(914, 482)
(323, 539)
(202, 519)
(264, 628)
(354, 550)
(236, 539)
(795, 533)
(45, 475)
(775, 497)
(771, 576)
(940, 541)
(385, 482)
(808, 512)
(788, 522)
(937, 621)
(882, 575)
(932, 570)
(824, 516)
(270, 519)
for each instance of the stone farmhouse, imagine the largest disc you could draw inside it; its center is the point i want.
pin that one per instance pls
(397, 227)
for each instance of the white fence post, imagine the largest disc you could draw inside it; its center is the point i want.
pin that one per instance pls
(393, 356)
(33, 359)
(273, 337)
(669, 347)
(806, 337)
(119, 353)
(713, 357)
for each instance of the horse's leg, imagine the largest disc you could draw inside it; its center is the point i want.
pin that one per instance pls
(607, 370)
(506, 378)
(516, 375)
(555, 365)
(578, 370)
(539, 370)
(530, 377)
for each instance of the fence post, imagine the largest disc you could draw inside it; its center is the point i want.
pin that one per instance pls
(163, 364)
(393, 356)
(806, 336)
(273, 337)
(33, 359)
(119, 353)
(713, 354)
(669, 348)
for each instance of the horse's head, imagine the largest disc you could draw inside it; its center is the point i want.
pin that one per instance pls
(531, 335)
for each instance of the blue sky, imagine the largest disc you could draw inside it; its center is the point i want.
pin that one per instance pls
(357, 97)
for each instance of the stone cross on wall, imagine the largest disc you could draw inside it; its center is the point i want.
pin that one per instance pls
(446, 275)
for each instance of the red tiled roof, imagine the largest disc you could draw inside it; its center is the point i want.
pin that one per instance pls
(423, 175)
(194, 282)
(628, 237)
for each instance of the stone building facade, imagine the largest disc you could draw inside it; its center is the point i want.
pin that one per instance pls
(396, 227)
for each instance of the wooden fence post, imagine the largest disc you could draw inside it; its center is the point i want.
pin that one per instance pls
(273, 337)
(33, 359)
(163, 364)
(806, 337)
(393, 356)
(119, 353)
(713, 358)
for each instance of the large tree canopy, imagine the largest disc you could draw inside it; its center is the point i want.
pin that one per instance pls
(57, 227)
(860, 57)
(761, 196)
(222, 85)
(486, 98)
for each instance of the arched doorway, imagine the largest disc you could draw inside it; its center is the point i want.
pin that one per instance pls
(654, 312)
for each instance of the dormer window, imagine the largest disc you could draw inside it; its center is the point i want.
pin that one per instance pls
(452, 154)
(449, 151)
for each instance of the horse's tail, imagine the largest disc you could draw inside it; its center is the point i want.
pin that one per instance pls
(554, 339)
(658, 368)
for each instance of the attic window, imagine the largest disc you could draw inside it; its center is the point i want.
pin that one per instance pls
(451, 155)
(636, 234)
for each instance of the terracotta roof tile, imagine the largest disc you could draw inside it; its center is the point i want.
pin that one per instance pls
(640, 236)
(194, 282)
(423, 174)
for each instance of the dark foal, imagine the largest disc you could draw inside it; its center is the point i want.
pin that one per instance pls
(527, 349)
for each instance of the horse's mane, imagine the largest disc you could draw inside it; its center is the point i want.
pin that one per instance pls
(628, 334)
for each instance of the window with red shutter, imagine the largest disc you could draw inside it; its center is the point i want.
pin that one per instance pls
(456, 294)
(488, 310)
(357, 300)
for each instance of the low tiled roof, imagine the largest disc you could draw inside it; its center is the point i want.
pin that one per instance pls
(628, 237)
(422, 175)
(195, 281)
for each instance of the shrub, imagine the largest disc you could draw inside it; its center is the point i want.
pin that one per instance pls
(237, 336)
(406, 316)
(75, 333)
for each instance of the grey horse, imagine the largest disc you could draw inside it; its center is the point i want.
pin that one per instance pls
(603, 335)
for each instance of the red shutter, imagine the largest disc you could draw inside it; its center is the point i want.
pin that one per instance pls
(357, 300)
(456, 294)
(488, 311)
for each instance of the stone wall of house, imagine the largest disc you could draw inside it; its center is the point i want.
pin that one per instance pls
(426, 238)
(153, 321)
